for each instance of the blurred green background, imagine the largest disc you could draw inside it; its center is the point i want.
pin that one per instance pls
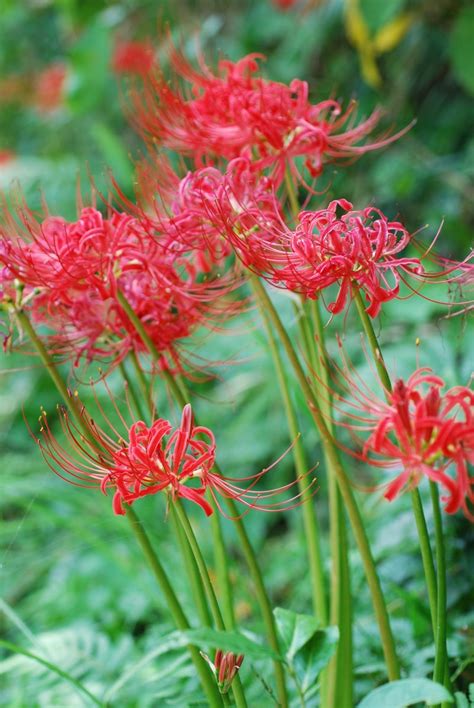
(72, 578)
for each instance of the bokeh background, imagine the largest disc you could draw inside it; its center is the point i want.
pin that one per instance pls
(72, 578)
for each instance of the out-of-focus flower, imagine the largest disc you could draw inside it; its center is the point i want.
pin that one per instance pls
(236, 112)
(150, 459)
(6, 156)
(425, 431)
(73, 273)
(48, 93)
(339, 246)
(132, 58)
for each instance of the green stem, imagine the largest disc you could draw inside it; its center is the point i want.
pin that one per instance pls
(223, 577)
(179, 617)
(426, 554)
(209, 591)
(51, 368)
(294, 205)
(310, 522)
(145, 387)
(337, 686)
(436, 588)
(352, 509)
(181, 622)
(441, 653)
(132, 390)
(248, 551)
(192, 570)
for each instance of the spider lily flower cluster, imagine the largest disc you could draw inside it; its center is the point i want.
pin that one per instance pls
(149, 459)
(238, 113)
(422, 428)
(73, 272)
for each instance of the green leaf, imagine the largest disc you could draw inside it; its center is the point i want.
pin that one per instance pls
(315, 655)
(114, 154)
(460, 48)
(52, 667)
(399, 694)
(228, 641)
(461, 700)
(294, 629)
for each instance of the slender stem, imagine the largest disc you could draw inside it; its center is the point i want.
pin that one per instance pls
(247, 549)
(373, 341)
(201, 564)
(132, 390)
(145, 387)
(436, 588)
(223, 578)
(294, 205)
(352, 509)
(192, 570)
(262, 599)
(311, 527)
(441, 653)
(179, 617)
(426, 554)
(51, 368)
(209, 591)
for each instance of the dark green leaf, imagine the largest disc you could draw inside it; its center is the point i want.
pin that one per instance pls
(294, 629)
(460, 48)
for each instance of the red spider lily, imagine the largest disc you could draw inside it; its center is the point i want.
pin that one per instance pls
(49, 88)
(358, 249)
(73, 272)
(430, 433)
(133, 58)
(238, 113)
(148, 460)
(189, 212)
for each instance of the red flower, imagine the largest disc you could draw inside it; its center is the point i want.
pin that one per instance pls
(189, 212)
(428, 432)
(49, 88)
(74, 271)
(238, 113)
(133, 58)
(226, 666)
(150, 459)
(357, 249)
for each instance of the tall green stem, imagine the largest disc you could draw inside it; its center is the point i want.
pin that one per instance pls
(441, 653)
(339, 684)
(436, 588)
(179, 617)
(352, 509)
(247, 549)
(207, 680)
(310, 521)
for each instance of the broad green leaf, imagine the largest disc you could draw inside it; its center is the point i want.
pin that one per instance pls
(460, 48)
(315, 655)
(461, 700)
(399, 694)
(228, 641)
(294, 629)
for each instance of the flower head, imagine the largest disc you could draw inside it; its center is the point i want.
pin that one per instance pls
(226, 666)
(132, 58)
(148, 459)
(425, 430)
(74, 273)
(236, 112)
(338, 246)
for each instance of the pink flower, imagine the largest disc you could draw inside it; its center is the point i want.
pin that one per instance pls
(236, 112)
(425, 431)
(133, 58)
(149, 459)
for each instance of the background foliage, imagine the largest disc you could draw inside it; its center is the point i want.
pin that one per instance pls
(74, 585)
